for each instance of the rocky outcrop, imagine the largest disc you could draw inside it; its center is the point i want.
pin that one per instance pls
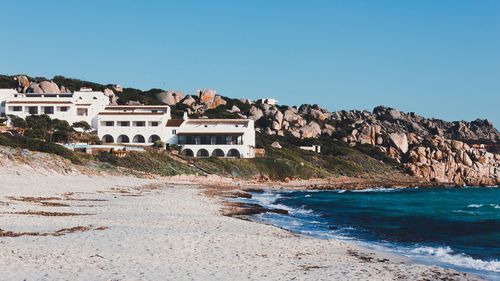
(23, 83)
(453, 161)
(430, 148)
(189, 101)
(34, 88)
(399, 141)
(49, 87)
(276, 145)
(112, 97)
(311, 130)
(169, 97)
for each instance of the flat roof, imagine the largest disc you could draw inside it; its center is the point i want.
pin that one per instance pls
(174, 122)
(218, 121)
(130, 113)
(38, 101)
(124, 107)
(210, 134)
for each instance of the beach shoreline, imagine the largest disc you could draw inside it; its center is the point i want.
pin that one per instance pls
(89, 226)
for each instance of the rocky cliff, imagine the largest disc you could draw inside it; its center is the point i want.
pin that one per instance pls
(456, 152)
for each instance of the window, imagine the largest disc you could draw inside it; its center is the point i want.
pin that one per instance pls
(109, 123)
(3, 104)
(33, 110)
(123, 123)
(95, 98)
(17, 108)
(48, 110)
(63, 108)
(154, 124)
(174, 132)
(81, 112)
(139, 123)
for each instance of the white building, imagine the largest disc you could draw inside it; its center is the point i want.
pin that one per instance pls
(269, 101)
(72, 107)
(215, 137)
(144, 125)
(141, 125)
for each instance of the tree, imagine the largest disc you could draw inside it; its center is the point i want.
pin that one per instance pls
(39, 126)
(60, 131)
(82, 125)
(18, 122)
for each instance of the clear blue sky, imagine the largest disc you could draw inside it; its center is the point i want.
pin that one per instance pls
(437, 58)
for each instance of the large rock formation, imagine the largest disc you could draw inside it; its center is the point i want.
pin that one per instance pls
(453, 161)
(431, 148)
(112, 97)
(22, 83)
(170, 97)
(49, 87)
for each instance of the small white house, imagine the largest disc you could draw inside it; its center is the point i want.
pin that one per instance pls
(269, 101)
(316, 148)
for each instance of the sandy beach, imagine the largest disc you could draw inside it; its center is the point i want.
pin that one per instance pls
(61, 225)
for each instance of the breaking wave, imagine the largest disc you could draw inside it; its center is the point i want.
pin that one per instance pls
(447, 255)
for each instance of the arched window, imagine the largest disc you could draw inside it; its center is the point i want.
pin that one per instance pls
(153, 138)
(123, 139)
(187, 152)
(218, 153)
(233, 153)
(202, 153)
(138, 139)
(107, 139)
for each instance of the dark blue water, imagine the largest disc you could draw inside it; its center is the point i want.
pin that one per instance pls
(458, 228)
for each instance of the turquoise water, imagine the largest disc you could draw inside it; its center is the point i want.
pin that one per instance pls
(453, 227)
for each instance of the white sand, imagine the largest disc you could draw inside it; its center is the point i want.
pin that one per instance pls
(170, 233)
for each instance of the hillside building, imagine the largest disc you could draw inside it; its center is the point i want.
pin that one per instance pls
(138, 125)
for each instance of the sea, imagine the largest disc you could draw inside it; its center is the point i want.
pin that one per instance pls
(456, 228)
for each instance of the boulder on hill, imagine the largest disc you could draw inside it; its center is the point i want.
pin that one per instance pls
(189, 101)
(400, 141)
(23, 83)
(49, 87)
(112, 97)
(276, 145)
(311, 130)
(169, 97)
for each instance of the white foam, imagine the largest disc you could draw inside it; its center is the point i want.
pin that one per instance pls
(308, 195)
(462, 211)
(495, 206)
(446, 255)
(474, 205)
(376, 189)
